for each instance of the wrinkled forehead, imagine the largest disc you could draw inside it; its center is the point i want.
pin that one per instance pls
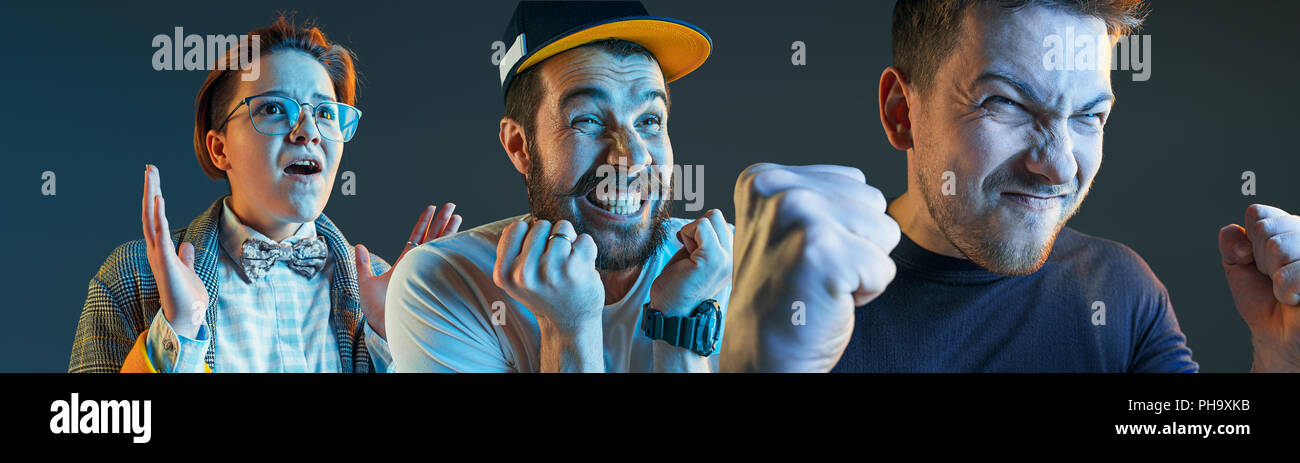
(1033, 44)
(598, 74)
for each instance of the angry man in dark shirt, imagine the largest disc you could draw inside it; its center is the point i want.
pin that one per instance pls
(972, 268)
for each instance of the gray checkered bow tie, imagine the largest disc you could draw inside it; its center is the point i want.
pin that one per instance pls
(307, 256)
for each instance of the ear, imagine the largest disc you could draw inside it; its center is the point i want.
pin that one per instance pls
(895, 114)
(217, 150)
(514, 142)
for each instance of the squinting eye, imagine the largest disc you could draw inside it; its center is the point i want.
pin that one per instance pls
(652, 120)
(1002, 100)
(1094, 117)
(326, 113)
(585, 120)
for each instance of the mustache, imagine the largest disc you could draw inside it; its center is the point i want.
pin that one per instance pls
(585, 184)
(593, 177)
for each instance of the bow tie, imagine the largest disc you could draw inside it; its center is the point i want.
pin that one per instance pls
(307, 256)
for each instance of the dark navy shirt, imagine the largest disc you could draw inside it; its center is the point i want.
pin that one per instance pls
(1094, 306)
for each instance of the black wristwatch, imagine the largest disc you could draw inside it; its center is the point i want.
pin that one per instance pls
(698, 332)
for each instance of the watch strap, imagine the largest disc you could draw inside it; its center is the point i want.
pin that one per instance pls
(697, 332)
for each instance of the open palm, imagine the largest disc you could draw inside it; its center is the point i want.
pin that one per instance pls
(181, 293)
(374, 288)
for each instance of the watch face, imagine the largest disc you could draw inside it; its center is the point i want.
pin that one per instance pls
(708, 308)
(711, 318)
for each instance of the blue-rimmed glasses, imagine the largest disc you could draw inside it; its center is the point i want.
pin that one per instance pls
(277, 115)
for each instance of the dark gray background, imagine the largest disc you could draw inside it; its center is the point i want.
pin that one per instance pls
(82, 100)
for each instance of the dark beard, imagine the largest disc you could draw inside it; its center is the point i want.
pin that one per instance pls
(549, 201)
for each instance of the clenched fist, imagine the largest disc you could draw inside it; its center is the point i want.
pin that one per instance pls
(812, 238)
(552, 272)
(699, 270)
(1262, 264)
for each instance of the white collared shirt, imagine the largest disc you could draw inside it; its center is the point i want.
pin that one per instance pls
(278, 323)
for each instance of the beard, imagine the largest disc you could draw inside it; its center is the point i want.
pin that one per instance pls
(984, 233)
(634, 244)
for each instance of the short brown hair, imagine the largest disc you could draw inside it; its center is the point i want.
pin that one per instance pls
(213, 101)
(925, 31)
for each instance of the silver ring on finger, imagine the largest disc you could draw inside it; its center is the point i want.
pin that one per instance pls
(560, 235)
(412, 243)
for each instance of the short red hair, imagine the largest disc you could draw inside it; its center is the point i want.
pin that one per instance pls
(213, 101)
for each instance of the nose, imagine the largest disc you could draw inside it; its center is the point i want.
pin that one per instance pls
(1053, 154)
(304, 131)
(628, 149)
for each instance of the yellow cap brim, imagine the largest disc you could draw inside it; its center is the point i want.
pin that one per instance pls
(679, 49)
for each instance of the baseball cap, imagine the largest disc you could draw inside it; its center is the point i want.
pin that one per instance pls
(541, 29)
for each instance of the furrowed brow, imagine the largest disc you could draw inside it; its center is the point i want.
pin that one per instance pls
(1025, 89)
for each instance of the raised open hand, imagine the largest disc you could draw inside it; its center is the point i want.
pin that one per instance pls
(374, 288)
(181, 293)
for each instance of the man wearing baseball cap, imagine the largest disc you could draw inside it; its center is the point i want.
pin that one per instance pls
(597, 277)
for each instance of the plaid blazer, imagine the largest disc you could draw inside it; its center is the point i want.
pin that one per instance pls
(123, 298)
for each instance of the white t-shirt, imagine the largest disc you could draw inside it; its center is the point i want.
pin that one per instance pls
(441, 302)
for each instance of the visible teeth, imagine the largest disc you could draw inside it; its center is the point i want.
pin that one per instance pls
(626, 204)
(305, 162)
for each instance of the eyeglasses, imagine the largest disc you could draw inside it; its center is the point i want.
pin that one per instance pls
(277, 115)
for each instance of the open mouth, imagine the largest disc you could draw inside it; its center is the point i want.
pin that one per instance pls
(624, 203)
(303, 167)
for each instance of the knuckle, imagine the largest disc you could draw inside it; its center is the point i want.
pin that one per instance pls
(528, 277)
(1291, 286)
(890, 271)
(893, 234)
(767, 181)
(1279, 278)
(770, 182)
(1257, 228)
(1275, 245)
(516, 277)
(874, 197)
(857, 173)
(750, 172)
(796, 200)
(816, 243)
(1254, 212)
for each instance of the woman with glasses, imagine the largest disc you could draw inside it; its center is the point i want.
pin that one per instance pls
(262, 281)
